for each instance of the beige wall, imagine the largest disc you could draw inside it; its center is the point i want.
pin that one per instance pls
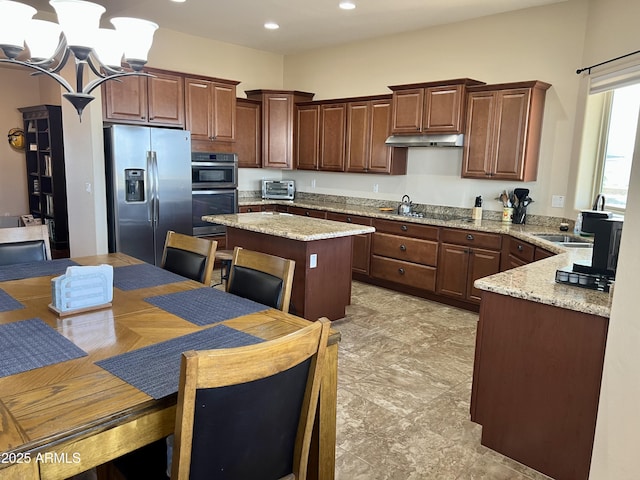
(544, 43)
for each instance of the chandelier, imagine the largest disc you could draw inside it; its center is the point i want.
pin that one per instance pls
(101, 49)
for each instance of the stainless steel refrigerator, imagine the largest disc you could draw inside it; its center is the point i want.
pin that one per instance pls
(148, 174)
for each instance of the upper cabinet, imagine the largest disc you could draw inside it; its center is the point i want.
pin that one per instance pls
(347, 135)
(278, 125)
(368, 126)
(248, 133)
(434, 107)
(210, 106)
(156, 100)
(503, 128)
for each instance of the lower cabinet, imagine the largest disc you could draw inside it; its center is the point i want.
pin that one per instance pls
(517, 252)
(361, 243)
(405, 253)
(464, 257)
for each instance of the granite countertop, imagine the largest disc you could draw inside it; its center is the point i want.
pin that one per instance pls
(534, 282)
(289, 226)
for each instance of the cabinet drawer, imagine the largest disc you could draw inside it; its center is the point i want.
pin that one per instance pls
(403, 248)
(342, 217)
(522, 250)
(471, 238)
(406, 229)
(305, 212)
(405, 273)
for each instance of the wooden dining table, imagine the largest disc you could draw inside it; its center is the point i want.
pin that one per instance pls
(68, 417)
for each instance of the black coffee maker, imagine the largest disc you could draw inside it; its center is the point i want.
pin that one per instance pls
(606, 246)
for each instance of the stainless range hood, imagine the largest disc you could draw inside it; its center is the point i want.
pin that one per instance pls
(431, 140)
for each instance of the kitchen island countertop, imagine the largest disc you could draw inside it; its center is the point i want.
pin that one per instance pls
(289, 226)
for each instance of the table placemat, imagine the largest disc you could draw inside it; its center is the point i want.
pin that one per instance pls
(30, 344)
(8, 303)
(46, 268)
(205, 306)
(143, 275)
(155, 370)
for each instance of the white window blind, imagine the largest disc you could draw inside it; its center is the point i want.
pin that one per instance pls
(610, 80)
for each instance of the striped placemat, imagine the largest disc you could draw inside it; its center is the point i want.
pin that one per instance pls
(30, 344)
(143, 275)
(205, 306)
(18, 271)
(8, 303)
(155, 370)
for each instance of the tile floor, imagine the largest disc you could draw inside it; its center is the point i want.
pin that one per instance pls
(405, 370)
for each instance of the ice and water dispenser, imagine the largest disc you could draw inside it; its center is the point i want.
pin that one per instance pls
(134, 184)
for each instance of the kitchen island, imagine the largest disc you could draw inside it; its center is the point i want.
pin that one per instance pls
(322, 250)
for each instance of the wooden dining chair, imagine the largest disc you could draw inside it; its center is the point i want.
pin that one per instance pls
(191, 257)
(261, 277)
(24, 244)
(248, 412)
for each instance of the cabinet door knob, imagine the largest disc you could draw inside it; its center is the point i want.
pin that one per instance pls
(308, 214)
(469, 237)
(403, 248)
(404, 228)
(401, 271)
(520, 248)
(348, 219)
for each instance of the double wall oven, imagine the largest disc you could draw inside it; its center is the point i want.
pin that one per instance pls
(214, 178)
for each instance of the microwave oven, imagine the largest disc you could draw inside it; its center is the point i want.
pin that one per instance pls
(278, 189)
(214, 170)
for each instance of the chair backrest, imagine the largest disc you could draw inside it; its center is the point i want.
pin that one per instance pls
(24, 244)
(191, 257)
(261, 277)
(248, 412)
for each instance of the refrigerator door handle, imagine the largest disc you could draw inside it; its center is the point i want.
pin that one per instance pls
(150, 188)
(156, 197)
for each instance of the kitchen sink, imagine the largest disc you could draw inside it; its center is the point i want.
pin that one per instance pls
(572, 241)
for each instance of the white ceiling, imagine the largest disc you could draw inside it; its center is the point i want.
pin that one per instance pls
(304, 24)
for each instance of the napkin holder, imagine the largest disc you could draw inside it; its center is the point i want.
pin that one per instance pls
(82, 289)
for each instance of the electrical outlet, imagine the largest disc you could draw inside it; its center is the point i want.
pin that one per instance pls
(313, 260)
(557, 201)
(375, 188)
(313, 183)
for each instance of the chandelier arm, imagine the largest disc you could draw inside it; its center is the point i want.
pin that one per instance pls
(63, 60)
(89, 87)
(39, 69)
(96, 71)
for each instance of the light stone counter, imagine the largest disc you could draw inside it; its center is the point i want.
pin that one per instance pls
(534, 282)
(289, 226)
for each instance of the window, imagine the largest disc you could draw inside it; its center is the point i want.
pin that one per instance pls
(620, 122)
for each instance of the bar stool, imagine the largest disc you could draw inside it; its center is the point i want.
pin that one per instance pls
(224, 257)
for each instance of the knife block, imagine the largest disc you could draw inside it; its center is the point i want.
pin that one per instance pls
(519, 215)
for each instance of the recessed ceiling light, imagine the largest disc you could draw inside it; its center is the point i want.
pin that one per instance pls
(178, 1)
(347, 5)
(271, 26)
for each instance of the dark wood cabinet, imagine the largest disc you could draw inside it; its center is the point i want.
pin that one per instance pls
(368, 126)
(503, 128)
(248, 133)
(307, 137)
(46, 173)
(516, 252)
(464, 257)
(278, 125)
(332, 130)
(405, 254)
(433, 107)
(210, 110)
(536, 383)
(156, 100)
(361, 251)
(307, 212)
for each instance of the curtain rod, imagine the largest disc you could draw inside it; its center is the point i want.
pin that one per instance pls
(580, 70)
